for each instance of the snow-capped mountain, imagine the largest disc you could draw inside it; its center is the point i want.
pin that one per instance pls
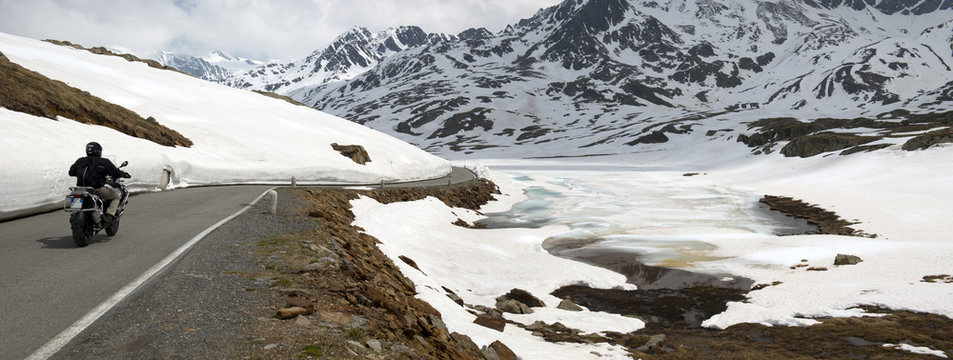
(193, 65)
(351, 54)
(217, 66)
(233, 63)
(597, 74)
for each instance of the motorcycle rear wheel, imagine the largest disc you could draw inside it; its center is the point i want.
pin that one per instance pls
(81, 235)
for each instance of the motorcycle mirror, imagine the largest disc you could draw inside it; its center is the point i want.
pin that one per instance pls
(124, 163)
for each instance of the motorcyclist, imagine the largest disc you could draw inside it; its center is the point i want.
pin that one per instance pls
(91, 171)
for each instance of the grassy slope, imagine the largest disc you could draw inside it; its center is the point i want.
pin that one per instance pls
(30, 92)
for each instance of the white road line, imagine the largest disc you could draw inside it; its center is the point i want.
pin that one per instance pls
(64, 337)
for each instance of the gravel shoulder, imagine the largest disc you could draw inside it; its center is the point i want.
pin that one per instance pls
(203, 305)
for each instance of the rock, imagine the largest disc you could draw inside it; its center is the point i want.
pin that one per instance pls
(335, 317)
(843, 259)
(270, 346)
(924, 141)
(653, 342)
(355, 345)
(536, 326)
(404, 349)
(503, 352)
(288, 313)
(810, 145)
(375, 345)
(353, 152)
(301, 303)
(491, 322)
(513, 306)
(489, 311)
(568, 305)
(455, 298)
(295, 292)
(302, 321)
(524, 297)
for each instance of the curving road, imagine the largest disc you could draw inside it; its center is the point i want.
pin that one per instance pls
(47, 283)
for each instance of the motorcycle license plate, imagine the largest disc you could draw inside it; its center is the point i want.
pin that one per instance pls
(76, 203)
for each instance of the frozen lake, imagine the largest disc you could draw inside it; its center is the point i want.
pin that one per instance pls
(651, 226)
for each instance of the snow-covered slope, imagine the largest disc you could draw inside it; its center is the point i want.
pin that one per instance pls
(596, 76)
(239, 136)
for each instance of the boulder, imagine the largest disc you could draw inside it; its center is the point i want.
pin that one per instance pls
(524, 297)
(354, 152)
(842, 259)
(288, 313)
(513, 307)
(654, 342)
(568, 305)
(300, 302)
(498, 351)
(491, 322)
(375, 345)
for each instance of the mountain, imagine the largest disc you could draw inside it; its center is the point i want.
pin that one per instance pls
(233, 63)
(596, 76)
(193, 65)
(351, 54)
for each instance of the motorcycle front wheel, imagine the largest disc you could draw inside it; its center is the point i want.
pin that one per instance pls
(82, 230)
(113, 227)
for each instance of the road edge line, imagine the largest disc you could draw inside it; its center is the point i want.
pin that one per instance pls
(64, 337)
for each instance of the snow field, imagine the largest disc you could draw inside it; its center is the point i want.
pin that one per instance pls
(239, 136)
(480, 265)
(709, 223)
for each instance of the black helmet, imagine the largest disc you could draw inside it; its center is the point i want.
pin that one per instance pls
(94, 149)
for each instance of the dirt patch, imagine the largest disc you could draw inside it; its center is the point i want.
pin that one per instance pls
(827, 222)
(30, 92)
(360, 304)
(833, 338)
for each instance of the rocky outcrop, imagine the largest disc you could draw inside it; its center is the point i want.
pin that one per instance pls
(843, 259)
(826, 221)
(810, 145)
(922, 142)
(353, 152)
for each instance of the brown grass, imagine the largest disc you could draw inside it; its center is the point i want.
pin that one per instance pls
(30, 92)
(99, 50)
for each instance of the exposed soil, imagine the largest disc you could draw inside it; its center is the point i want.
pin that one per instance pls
(30, 92)
(342, 283)
(827, 222)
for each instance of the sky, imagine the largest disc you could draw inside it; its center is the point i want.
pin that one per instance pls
(261, 30)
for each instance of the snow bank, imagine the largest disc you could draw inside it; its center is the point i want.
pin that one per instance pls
(480, 265)
(239, 136)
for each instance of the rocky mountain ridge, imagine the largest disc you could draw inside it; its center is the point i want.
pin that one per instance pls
(597, 76)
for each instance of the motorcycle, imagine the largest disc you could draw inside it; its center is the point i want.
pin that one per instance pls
(87, 210)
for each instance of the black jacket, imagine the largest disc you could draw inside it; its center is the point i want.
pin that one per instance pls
(92, 171)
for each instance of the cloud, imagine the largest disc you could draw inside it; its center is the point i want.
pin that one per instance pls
(276, 29)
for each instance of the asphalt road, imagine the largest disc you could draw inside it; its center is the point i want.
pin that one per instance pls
(47, 283)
